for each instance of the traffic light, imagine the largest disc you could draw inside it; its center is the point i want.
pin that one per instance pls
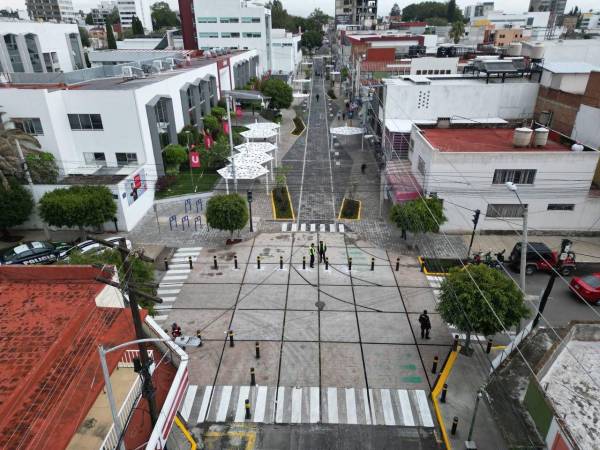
(476, 218)
(249, 194)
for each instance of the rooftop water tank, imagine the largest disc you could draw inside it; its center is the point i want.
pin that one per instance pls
(577, 147)
(514, 49)
(522, 137)
(540, 137)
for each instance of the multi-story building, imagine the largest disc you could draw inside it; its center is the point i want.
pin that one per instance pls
(227, 24)
(478, 10)
(138, 8)
(99, 14)
(590, 20)
(505, 36)
(286, 51)
(556, 8)
(51, 10)
(356, 12)
(27, 46)
(108, 125)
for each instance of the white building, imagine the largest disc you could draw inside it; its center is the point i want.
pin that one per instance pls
(467, 168)
(110, 127)
(590, 20)
(518, 20)
(286, 51)
(27, 46)
(234, 24)
(51, 10)
(568, 50)
(478, 10)
(138, 8)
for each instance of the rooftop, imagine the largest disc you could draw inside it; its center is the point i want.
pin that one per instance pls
(570, 67)
(457, 79)
(481, 140)
(50, 327)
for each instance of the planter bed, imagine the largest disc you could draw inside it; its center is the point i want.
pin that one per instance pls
(282, 204)
(350, 209)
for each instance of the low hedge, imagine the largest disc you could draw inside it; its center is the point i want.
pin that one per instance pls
(281, 202)
(350, 209)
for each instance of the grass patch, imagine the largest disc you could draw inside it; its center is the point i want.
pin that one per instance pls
(282, 204)
(350, 209)
(173, 185)
(439, 265)
(298, 126)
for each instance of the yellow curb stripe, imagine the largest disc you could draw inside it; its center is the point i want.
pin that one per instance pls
(427, 272)
(437, 389)
(186, 433)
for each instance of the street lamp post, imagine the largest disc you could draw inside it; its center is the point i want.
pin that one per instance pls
(249, 195)
(513, 188)
(109, 393)
(227, 100)
(469, 443)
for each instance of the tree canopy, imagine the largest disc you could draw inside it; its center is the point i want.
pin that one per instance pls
(137, 29)
(429, 9)
(89, 20)
(457, 31)
(280, 92)
(174, 156)
(110, 36)
(16, 204)
(311, 40)
(280, 18)
(395, 11)
(227, 212)
(78, 206)
(42, 167)
(163, 16)
(419, 216)
(85, 37)
(462, 304)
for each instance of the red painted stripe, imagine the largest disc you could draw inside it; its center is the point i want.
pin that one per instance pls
(175, 406)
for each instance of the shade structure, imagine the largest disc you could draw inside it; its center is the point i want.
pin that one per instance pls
(347, 131)
(244, 171)
(259, 133)
(249, 159)
(263, 126)
(254, 147)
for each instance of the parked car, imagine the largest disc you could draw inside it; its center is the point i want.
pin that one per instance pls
(89, 246)
(34, 252)
(587, 287)
(540, 257)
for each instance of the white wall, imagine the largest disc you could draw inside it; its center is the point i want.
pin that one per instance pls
(286, 52)
(573, 83)
(465, 179)
(432, 63)
(575, 50)
(468, 99)
(587, 129)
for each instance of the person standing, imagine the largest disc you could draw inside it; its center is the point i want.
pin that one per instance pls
(317, 98)
(311, 253)
(322, 250)
(425, 325)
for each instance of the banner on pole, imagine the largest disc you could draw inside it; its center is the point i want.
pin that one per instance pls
(194, 160)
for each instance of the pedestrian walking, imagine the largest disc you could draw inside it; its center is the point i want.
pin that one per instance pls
(175, 330)
(363, 168)
(322, 251)
(311, 253)
(317, 98)
(425, 325)
(343, 116)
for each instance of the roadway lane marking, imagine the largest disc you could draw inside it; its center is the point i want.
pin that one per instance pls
(372, 404)
(424, 411)
(407, 416)
(332, 407)
(366, 404)
(351, 406)
(224, 404)
(186, 409)
(315, 404)
(261, 403)
(296, 405)
(205, 403)
(240, 413)
(388, 411)
(279, 404)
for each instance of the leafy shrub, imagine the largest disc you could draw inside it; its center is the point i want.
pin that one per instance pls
(218, 112)
(165, 182)
(211, 124)
(174, 155)
(331, 94)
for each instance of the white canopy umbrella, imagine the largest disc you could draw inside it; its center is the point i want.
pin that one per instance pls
(263, 126)
(248, 159)
(263, 134)
(253, 147)
(347, 131)
(244, 172)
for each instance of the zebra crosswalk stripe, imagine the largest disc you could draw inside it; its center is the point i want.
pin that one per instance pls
(407, 417)
(366, 405)
(351, 406)
(332, 407)
(240, 413)
(296, 405)
(315, 404)
(279, 405)
(205, 404)
(261, 403)
(224, 404)
(388, 411)
(424, 412)
(372, 404)
(186, 409)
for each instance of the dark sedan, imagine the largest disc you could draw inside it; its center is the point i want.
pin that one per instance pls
(34, 252)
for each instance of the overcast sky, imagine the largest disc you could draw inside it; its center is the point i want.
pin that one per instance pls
(304, 7)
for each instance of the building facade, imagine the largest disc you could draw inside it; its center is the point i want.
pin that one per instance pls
(556, 8)
(139, 8)
(51, 10)
(478, 10)
(356, 12)
(286, 51)
(28, 47)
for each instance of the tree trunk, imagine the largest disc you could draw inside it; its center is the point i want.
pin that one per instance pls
(82, 233)
(468, 342)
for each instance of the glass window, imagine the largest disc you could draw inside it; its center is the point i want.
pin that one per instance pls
(207, 20)
(517, 176)
(208, 34)
(230, 35)
(30, 126)
(95, 158)
(251, 35)
(229, 19)
(561, 206)
(85, 121)
(74, 121)
(124, 159)
(250, 19)
(96, 121)
(504, 210)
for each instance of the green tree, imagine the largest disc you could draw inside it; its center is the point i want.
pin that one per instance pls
(189, 135)
(451, 11)
(137, 29)
(10, 164)
(218, 112)
(457, 31)
(174, 156)
(211, 124)
(78, 206)
(344, 73)
(113, 17)
(418, 216)
(227, 212)
(142, 272)
(319, 18)
(16, 204)
(42, 167)
(463, 305)
(279, 91)
(311, 40)
(85, 37)
(436, 22)
(279, 16)
(429, 9)
(89, 19)
(395, 12)
(163, 16)
(110, 36)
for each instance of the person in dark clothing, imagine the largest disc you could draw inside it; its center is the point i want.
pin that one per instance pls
(175, 330)
(317, 98)
(343, 116)
(322, 251)
(311, 253)
(425, 325)
(363, 167)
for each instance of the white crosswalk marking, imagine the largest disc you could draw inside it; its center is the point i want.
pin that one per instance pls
(284, 227)
(174, 277)
(424, 412)
(160, 318)
(313, 227)
(279, 405)
(302, 227)
(296, 405)
(186, 408)
(176, 259)
(190, 249)
(351, 406)
(224, 404)
(294, 227)
(372, 403)
(177, 272)
(407, 417)
(322, 228)
(162, 292)
(332, 227)
(240, 412)
(332, 407)
(342, 228)
(366, 404)
(388, 411)
(205, 404)
(261, 403)
(315, 404)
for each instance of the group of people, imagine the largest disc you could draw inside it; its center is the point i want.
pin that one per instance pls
(322, 253)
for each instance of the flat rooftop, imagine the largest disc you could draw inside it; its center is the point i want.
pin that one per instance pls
(482, 140)
(455, 79)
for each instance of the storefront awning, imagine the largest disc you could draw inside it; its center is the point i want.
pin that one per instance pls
(401, 183)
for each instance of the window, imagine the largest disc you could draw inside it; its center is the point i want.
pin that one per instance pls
(207, 20)
(250, 19)
(208, 34)
(251, 35)
(29, 126)
(517, 176)
(126, 159)
(229, 19)
(418, 72)
(230, 35)
(561, 206)
(95, 158)
(504, 210)
(85, 121)
(421, 166)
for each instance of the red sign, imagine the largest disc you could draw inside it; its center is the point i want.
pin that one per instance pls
(207, 141)
(137, 181)
(194, 159)
(238, 111)
(225, 127)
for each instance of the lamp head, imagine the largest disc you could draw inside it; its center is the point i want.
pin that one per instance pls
(511, 186)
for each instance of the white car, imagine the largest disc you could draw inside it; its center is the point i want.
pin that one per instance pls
(89, 247)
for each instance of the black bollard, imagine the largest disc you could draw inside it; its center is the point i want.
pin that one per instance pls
(397, 264)
(489, 346)
(230, 338)
(443, 396)
(326, 263)
(215, 265)
(257, 347)
(199, 336)
(350, 263)
(190, 262)
(247, 406)
(372, 263)
(435, 364)
(454, 426)
(281, 262)
(258, 262)
(235, 262)
(166, 264)
(252, 377)
(455, 343)
(304, 263)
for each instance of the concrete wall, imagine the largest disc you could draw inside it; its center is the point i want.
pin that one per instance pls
(574, 50)
(432, 63)
(465, 179)
(587, 129)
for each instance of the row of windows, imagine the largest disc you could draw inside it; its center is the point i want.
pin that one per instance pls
(214, 34)
(85, 121)
(516, 176)
(434, 72)
(29, 125)
(516, 210)
(229, 20)
(123, 159)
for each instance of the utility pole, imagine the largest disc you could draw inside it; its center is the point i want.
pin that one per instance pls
(131, 294)
(475, 222)
(565, 247)
(228, 98)
(524, 249)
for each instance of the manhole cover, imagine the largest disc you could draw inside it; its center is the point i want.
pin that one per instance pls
(320, 305)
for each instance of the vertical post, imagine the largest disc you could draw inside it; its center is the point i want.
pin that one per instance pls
(230, 334)
(372, 263)
(235, 184)
(252, 377)
(475, 221)
(257, 349)
(235, 263)
(111, 398)
(524, 250)
(249, 195)
(479, 395)
(215, 265)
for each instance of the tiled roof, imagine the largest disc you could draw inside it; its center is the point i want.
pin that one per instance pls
(50, 328)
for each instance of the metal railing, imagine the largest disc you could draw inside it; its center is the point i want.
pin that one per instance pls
(130, 355)
(111, 441)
